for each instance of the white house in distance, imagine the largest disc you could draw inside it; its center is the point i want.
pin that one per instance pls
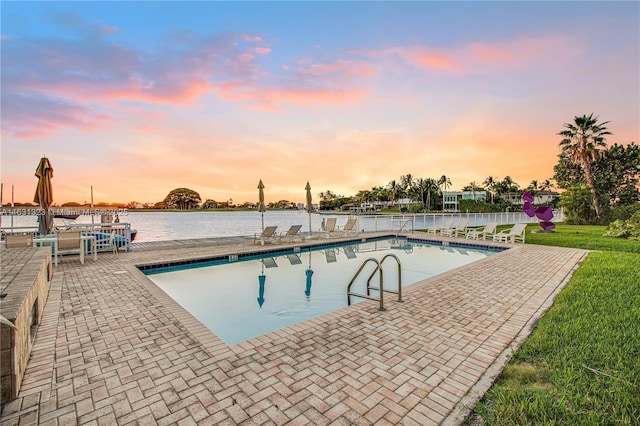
(451, 199)
(541, 198)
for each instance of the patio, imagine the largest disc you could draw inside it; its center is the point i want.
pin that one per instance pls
(112, 348)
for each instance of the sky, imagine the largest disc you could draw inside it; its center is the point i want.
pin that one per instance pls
(133, 99)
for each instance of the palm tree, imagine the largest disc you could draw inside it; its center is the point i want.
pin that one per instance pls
(490, 184)
(430, 184)
(583, 141)
(445, 182)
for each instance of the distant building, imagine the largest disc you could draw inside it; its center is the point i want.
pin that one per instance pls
(545, 197)
(451, 199)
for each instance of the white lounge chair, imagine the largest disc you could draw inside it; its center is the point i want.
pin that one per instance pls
(436, 228)
(350, 227)
(453, 231)
(514, 234)
(267, 235)
(331, 226)
(485, 231)
(294, 231)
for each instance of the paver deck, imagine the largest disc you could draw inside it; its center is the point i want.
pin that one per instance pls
(113, 348)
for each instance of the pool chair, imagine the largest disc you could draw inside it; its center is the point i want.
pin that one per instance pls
(484, 231)
(349, 252)
(514, 234)
(350, 227)
(69, 241)
(435, 228)
(294, 259)
(18, 241)
(454, 231)
(269, 262)
(268, 235)
(294, 231)
(331, 255)
(331, 226)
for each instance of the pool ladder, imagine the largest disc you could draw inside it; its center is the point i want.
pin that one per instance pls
(380, 288)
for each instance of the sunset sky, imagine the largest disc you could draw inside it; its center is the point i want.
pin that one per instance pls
(135, 99)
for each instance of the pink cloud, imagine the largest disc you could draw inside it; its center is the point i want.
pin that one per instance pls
(480, 56)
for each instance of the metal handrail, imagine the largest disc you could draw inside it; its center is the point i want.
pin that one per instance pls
(380, 289)
(399, 292)
(367, 296)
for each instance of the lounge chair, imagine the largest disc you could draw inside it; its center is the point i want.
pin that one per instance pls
(514, 234)
(331, 255)
(18, 241)
(269, 262)
(485, 231)
(350, 226)
(349, 252)
(435, 228)
(294, 259)
(267, 235)
(331, 226)
(453, 231)
(294, 231)
(70, 241)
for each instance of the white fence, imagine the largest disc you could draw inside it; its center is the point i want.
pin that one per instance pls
(411, 222)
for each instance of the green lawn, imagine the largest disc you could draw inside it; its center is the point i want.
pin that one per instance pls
(581, 365)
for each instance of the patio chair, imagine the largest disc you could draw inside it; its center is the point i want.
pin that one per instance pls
(331, 226)
(268, 235)
(18, 240)
(349, 252)
(435, 228)
(70, 241)
(294, 231)
(514, 234)
(453, 231)
(107, 241)
(350, 226)
(485, 231)
(331, 255)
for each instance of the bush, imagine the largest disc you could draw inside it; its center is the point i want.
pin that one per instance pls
(577, 203)
(629, 228)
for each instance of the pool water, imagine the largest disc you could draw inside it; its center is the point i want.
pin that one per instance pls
(242, 299)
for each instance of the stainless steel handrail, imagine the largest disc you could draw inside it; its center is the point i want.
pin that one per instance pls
(380, 288)
(399, 292)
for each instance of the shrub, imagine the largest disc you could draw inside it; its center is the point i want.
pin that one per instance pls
(629, 228)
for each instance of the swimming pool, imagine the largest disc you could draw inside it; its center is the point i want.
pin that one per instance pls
(240, 297)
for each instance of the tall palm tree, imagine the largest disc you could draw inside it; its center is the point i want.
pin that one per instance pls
(583, 142)
(444, 182)
(490, 184)
(430, 185)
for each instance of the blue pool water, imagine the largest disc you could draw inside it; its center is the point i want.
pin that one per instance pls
(250, 296)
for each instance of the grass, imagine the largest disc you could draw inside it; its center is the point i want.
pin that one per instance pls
(581, 365)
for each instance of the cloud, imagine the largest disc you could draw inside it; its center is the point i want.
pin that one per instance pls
(34, 115)
(481, 57)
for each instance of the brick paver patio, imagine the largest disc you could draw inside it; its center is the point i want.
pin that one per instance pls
(114, 349)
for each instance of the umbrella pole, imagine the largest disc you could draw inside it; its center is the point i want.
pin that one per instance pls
(309, 224)
(262, 214)
(12, 207)
(91, 209)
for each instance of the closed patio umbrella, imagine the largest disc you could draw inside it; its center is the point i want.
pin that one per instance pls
(44, 195)
(261, 206)
(309, 205)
